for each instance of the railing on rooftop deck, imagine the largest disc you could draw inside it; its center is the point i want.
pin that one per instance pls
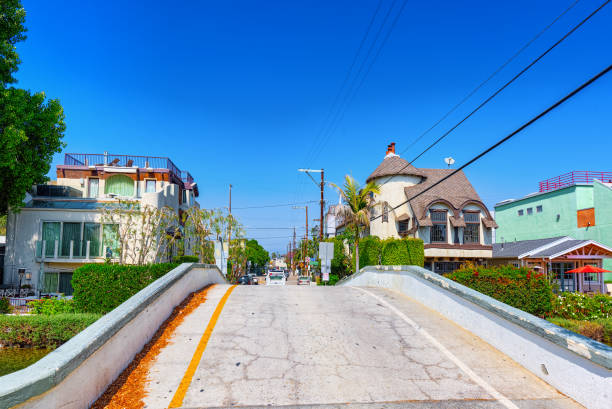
(186, 177)
(574, 178)
(97, 159)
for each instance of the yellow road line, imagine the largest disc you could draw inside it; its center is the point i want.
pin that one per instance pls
(177, 400)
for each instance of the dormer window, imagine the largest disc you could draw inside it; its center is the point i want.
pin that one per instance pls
(438, 230)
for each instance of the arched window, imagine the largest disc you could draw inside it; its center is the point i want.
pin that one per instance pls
(120, 185)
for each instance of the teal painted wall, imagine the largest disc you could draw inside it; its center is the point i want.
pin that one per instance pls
(565, 203)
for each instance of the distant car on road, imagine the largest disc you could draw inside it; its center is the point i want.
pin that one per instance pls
(244, 280)
(275, 278)
(303, 280)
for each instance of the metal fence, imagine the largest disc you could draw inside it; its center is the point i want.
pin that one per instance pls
(574, 178)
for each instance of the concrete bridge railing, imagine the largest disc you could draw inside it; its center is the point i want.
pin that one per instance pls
(78, 372)
(577, 366)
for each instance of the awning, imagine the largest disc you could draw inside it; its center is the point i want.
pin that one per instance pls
(457, 221)
(490, 223)
(402, 217)
(426, 222)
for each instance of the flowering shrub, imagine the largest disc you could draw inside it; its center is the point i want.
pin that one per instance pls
(518, 287)
(50, 306)
(582, 307)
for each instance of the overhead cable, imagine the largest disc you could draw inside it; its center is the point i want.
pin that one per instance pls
(507, 137)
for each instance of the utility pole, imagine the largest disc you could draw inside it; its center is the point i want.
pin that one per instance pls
(229, 229)
(292, 253)
(322, 187)
(322, 205)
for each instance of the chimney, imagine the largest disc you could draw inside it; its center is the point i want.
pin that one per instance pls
(390, 149)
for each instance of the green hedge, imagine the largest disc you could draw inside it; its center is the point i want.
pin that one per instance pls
(370, 248)
(186, 259)
(340, 262)
(518, 287)
(42, 331)
(51, 306)
(100, 288)
(408, 251)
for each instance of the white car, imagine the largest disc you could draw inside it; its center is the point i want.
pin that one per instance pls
(275, 278)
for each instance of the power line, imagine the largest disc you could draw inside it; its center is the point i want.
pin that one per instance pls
(490, 77)
(482, 104)
(352, 92)
(274, 205)
(348, 74)
(507, 137)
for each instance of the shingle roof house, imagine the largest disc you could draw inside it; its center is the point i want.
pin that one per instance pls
(450, 217)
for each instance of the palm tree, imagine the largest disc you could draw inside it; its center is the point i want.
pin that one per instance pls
(356, 207)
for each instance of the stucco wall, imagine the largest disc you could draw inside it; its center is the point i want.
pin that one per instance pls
(24, 230)
(391, 192)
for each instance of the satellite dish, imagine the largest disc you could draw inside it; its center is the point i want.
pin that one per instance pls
(449, 161)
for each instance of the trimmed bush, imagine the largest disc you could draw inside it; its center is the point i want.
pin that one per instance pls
(5, 306)
(369, 252)
(518, 287)
(100, 288)
(408, 251)
(581, 306)
(340, 262)
(42, 331)
(186, 259)
(599, 330)
(51, 306)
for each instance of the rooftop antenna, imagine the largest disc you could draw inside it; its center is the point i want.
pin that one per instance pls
(449, 161)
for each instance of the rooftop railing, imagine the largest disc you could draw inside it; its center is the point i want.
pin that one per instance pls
(574, 178)
(107, 159)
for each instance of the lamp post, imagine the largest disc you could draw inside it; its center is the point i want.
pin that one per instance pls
(321, 185)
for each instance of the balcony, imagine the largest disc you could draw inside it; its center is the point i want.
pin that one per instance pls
(57, 191)
(74, 251)
(574, 178)
(128, 161)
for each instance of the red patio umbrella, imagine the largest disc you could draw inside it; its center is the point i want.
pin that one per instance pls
(588, 269)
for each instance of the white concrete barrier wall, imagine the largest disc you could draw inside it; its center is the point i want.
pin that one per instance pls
(77, 373)
(575, 365)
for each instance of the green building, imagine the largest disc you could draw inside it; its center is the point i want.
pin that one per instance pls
(576, 204)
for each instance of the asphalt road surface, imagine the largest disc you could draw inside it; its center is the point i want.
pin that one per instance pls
(334, 347)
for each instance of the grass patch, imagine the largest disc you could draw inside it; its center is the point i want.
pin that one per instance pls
(42, 331)
(599, 329)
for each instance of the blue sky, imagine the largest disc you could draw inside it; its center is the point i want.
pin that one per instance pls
(237, 92)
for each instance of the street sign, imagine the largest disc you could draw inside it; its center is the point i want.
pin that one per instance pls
(325, 276)
(326, 251)
(314, 263)
(307, 259)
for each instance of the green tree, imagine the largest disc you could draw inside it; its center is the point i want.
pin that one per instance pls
(31, 127)
(256, 254)
(356, 207)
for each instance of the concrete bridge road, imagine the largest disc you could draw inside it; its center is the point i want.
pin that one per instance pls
(324, 347)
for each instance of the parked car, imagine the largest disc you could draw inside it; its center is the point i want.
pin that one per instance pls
(244, 280)
(303, 280)
(275, 278)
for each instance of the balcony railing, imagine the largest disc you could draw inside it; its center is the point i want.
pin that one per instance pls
(101, 159)
(73, 250)
(574, 178)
